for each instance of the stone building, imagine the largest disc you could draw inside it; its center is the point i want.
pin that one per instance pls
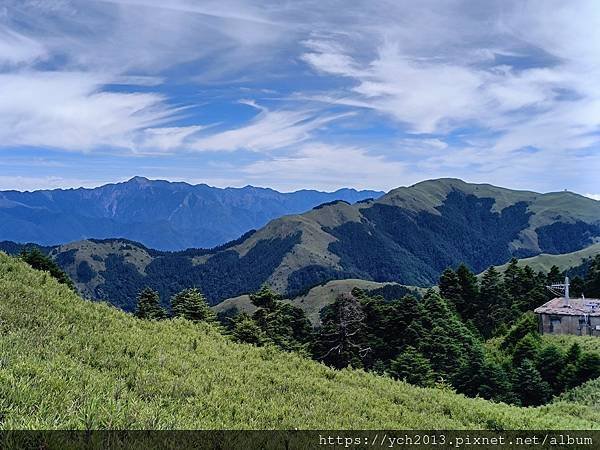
(578, 316)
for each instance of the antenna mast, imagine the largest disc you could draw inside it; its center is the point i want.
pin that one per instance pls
(561, 289)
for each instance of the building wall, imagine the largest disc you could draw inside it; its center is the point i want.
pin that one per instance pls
(577, 325)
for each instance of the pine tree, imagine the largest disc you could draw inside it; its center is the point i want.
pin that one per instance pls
(526, 324)
(588, 367)
(550, 363)
(342, 335)
(532, 389)
(450, 289)
(283, 324)
(591, 286)
(245, 329)
(481, 376)
(444, 339)
(577, 286)
(469, 287)
(573, 354)
(526, 348)
(555, 275)
(37, 260)
(265, 298)
(513, 277)
(494, 303)
(412, 367)
(148, 305)
(569, 376)
(191, 305)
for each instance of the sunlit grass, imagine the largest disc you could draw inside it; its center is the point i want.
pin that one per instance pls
(68, 363)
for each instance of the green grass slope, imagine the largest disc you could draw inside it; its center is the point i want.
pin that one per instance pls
(66, 363)
(587, 394)
(564, 261)
(313, 301)
(590, 344)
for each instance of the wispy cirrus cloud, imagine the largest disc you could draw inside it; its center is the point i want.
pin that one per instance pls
(269, 130)
(538, 106)
(463, 88)
(16, 48)
(69, 110)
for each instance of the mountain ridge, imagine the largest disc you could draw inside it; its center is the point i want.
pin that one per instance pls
(408, 237)
(157, 213)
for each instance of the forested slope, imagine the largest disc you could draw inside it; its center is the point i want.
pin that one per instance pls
(408, 236)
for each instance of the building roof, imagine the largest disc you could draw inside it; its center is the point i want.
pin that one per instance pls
(577, 307)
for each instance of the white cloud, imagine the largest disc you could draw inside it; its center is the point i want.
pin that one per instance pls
(437, 96)
(165, 139)
(269, 130)
(329, 167)
(474, 82)
(527, 71)
(17, 49)
(69, 110)
(593, 196)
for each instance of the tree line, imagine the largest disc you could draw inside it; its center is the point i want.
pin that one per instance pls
(473, 335)
(438, 340)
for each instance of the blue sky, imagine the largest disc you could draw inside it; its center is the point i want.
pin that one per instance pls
(303, 94)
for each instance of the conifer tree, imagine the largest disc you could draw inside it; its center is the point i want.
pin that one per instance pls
(36, 259)
(550, 363)
(588, 367)
(342, 335)
(591, 286)
(191, 305)
(412, 367)
(513, 277)
(494, 303)
(573, 354)
(532, 389)
(526, 348)
(148, 305)
(245, 329)
(555, 275)
(283, 324)
(265, 298)
(469, 287)
(451, 290)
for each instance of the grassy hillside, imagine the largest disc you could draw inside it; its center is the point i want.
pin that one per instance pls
(587, 343)
(565, 261)
(587, 394)
(313, 301)
(68, 363)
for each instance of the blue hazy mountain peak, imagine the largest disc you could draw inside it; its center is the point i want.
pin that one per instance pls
(158, 213)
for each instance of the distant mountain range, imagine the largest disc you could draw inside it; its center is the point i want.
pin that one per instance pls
(159, 214)
(408, 236)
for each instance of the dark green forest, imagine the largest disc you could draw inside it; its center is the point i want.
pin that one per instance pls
(475, 336)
